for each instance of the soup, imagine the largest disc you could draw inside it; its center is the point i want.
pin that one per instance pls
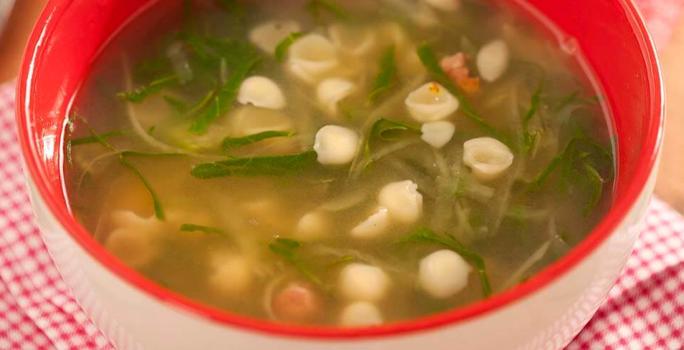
(338, 163)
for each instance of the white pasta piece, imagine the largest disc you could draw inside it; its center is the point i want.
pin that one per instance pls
(402, 200)
(261, 92)
(360, 314)
(443, 273)
(336, 145)
(268, 35)
(424, 16)
(333, 90)
(431, 102)
(312, 225)
(311, 57)
(362, 282)
(375, 225)
(445, 5)
(231, 274)
(249, 120)
(437, 134)
(487, 157)
(352, 40)
(492, 60)
(135, 239)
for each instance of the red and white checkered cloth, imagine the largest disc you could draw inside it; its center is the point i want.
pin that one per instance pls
(645, 310)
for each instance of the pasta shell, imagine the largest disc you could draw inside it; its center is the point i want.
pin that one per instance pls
(261, 92)
(266, 36)
(311, 57)
(487, 157)
(431, 102)
(331, 91)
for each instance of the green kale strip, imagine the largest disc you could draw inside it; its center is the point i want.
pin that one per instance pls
(201, 228)
(140, 93)
(95, 139)
(317, 7)
(583, 162)
(231, 143)
(257, 166)
(284, 46)
(391, 130)
(427, 236)
(386, 78)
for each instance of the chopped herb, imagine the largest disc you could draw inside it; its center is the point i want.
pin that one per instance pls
(343, 260)
(158, 209)
(389, 130)
(284, 45)
(425, 235)
(429, 59)
(529, 138)
(139, 94)
(316, 7)
(387, 75)
(583, 162)
(201, 228)
(224, 98)
(176, 104)
(94, 139)
(256, 166)
(288, 250)
(151, 129)
(231, 143)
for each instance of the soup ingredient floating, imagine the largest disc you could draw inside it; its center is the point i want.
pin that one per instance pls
(339, 163)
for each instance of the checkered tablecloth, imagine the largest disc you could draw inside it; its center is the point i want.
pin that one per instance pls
(645, 310)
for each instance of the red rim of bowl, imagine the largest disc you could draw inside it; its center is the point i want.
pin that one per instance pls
(621, 207)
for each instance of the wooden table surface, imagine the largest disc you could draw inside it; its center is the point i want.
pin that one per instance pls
(670, 185)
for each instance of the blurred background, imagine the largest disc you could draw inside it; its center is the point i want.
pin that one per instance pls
(17, 19)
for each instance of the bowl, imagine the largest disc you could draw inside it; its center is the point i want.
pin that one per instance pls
(545, 312)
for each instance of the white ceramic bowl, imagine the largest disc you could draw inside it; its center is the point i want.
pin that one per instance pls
(545, 312)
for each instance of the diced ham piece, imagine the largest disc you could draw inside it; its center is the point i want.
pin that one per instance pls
(455, 67)
(297, 302)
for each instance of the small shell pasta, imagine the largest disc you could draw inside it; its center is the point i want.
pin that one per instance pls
(311, 57)
(375, 225)
(266, 36)
(231, 274)
(431, 102)
(487, 157)
(437, 134)
(360, 314)
(333, 90)
(261, 92)
(336, 145)
(311, 226)
(492, 60)
(402, 200)
(352, 40)
(135, 240)
(362, 282)
(443, 274)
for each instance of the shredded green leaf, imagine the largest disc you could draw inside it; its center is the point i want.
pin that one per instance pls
(425, 235)
(140, 93)
(94, 139)
(528, 137)
(288, 250)
(386, 78)
(256, 166)
(231, 143)
(284, 45)
(429, 59)
(201, 228)
(178, 105)
(390, 130)
(158, 209)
